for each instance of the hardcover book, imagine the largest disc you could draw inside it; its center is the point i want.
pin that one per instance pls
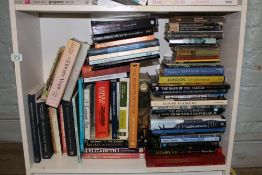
(124, 108)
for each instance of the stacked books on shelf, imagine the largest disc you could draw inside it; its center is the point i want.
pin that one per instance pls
(112, 78)
(188, 96)
(90, 105)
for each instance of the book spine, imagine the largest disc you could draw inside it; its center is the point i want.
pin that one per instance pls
(195, 58)
(62, 74)
(102, 109)
(52, 74)
(196, 97)
(55, 130)
(181, 27)
(197, 19)
(170, 93)
(55, 2)
(193, 41)
(122, 35)
(189, 112)
(126, 58)
(113, 156)
(103, 27)
(183, 139)
(44, 131)
(76, 121)
(193, 71)
(69, 128)
(72, 81)
(189, 102)
(188, 131)
(124, 108)
(106, 143)
(125, 62)
(113, 150)
(87, 111)
(124, 41)
(156, 87)
(133, 104)
(34, 127)
(81, 114)
(62, 124)
(197, 34)
(88, 72)
(122, 53)
(114, 107)
(124, 47)
(196, 52)
(174, 145)
(192, 80)
(192, 2)
(105, 77)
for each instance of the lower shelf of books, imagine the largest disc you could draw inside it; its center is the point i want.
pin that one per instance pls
(65, 164)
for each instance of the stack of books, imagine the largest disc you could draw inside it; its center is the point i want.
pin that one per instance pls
(188, 95)
(112, 76)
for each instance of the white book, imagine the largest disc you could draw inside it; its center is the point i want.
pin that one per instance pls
(105, 77)
(74, 102)
(57, 2)
(80, 59)
(192, 2)
(87, 113)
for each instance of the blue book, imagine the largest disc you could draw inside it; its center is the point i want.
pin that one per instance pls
(189, 138)
(183, 71)
(188, 131)
(113, 106)
(124, 47)
(81, 114)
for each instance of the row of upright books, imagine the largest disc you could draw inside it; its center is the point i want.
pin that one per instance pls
(97, 104)
(188, 96)
(129, 2)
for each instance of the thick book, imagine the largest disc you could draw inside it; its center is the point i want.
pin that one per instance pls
(123, 47)
(32, 97)
(196, 34)
(56, 139)
(176, 71)
(63, 72)
(193, 41)
(72, 81)
(114, 108)
(133, 104)
(87, 111)
(44, 130)
(192, 2)
(192, 80)
(102, 108)
(81, 123)
(124, 108)
(189, 27)
(88, 72)
(105, 77)
(122, 35)
(142, 54)
(209, 110)
(62, 129)
(140, 59)
(122, 53)
(197, 19)
(124, 41)
(103, 27)
(69, 127)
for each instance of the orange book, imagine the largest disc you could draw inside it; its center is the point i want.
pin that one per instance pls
(133, 104)
(62, 74)
(124, 41)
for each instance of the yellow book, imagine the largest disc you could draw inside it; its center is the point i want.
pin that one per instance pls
(133, 104)
(192, 80)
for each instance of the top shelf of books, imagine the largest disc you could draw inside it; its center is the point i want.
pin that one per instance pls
(90, 9)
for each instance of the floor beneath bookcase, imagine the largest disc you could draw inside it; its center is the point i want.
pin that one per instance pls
(12, 162)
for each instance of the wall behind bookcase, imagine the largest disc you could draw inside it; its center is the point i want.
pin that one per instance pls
(248, 138)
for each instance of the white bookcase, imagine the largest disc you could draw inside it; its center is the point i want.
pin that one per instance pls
(39, 30)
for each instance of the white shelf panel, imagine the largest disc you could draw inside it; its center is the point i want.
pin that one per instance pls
(65, 164)
(126, 9)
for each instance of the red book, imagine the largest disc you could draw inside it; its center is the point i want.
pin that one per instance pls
(102, 109)
(62, 127)
(88, 72)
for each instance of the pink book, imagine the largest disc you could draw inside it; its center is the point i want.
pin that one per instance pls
(63, 72)
(62, 127)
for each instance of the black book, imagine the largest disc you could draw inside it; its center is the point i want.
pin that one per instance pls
(69, 127)
(32, 97)
(122, 35)
(44, 130)
(113, 106)
(195, 34)
(103, 27)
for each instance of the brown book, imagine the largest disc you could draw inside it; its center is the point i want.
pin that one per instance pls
(124, 41)
(133, 104)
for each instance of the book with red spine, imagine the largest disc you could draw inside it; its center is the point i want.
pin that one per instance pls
(88, 72)
(62, 129)
(102, 109)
